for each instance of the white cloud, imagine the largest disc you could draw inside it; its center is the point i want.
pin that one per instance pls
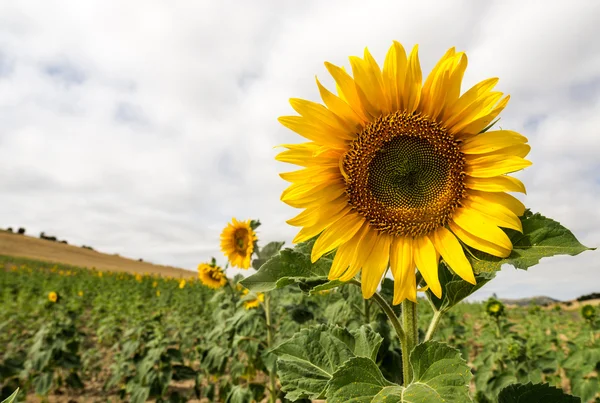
(142, 127)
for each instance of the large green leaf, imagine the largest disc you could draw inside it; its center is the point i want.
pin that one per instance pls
(455, 289)
(267, 252)
(307, 361)
(534, 393)
(440, 375)
(541, 237)
(287, 267)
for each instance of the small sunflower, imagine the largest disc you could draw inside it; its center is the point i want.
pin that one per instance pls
(53, 296)
(211, 275)
(237, 242)
(254, 303)
(398, 171)
(182, 284)
(154, 284)
(494, 308)
(80, 293)
(588, 312)
(158, 293)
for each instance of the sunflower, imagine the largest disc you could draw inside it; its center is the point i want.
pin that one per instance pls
(254, 303)
(398, 171)
(80, 293)
(182, 284)
(211, 275)
(237, 242)
(52, 296)
(494, 308)
(588, 312)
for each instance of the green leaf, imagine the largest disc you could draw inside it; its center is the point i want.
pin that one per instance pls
(455, 289)
(541, 237)
(288, 267)
(534, 393)
(239, 394)
(440, 375)
(12, 397)
(43, 383)
(267, 252)
(585, 387)
(360, 380)
(307, 361)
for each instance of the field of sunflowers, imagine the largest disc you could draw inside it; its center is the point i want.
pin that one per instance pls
(70, 333)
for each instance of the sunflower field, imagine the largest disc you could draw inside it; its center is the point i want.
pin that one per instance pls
(405, 185)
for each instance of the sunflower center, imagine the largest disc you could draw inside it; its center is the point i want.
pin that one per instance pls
(404, 173)
(215, 275)
(241, 239)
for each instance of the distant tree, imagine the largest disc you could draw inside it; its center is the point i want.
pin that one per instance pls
(140, 260)
(594, 295)
(9, 229)
(65, 242)
(21, 231)
(42, 235)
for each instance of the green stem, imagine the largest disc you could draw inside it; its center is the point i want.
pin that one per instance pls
(409, 322)
(272, 381)
(435, 321)
(367, 304)
(387, 309)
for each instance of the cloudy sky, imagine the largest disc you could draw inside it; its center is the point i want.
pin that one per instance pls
(142, 127)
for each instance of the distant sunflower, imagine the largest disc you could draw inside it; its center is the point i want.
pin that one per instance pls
(397, 171)
(237, 243)
(182, 284)
(254, 303)
(211, 275)
(53, 296)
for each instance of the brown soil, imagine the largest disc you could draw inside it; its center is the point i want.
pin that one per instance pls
(40, 249)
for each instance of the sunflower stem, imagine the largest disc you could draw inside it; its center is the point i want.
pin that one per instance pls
(272, 381)
(409, 322)
(367, 304)
(435, 321)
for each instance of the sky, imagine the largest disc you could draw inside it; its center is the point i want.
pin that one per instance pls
(142, 127)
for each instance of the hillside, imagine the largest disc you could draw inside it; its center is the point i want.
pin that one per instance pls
(40, 249)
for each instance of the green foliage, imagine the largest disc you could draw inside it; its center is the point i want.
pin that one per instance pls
(12, 397)
(542, 237)
(288, 267)
(534, 393)
(307, 361)
(440, 374)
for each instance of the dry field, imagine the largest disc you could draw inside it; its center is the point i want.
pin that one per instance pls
(34, 248)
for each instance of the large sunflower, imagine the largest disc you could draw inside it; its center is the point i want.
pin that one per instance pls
(211, 275)
(237, 243)
(397, 171)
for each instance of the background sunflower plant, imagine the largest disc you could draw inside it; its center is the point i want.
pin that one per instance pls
(404, 185)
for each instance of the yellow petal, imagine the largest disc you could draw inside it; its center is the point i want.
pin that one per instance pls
(317, 113)
(468, 98)
(454, 255)
(517, 150)
(337, 234)
(495, 213)
(455, 81)
(478, 243)
(481, 227)
(433, 93)
(480, 123)
(312, 174)
(394, 72)
(492, 141)
(501, 183)
(346, 253)
(476, 110)
(347, 86)
(374, 267)
(411, 93)
(427, 262)
(307, 233)
(315, 131)
(486, 167)
(363, 251)
(340, 108)
(305, 194)
(308, 217)
(403, 269)
(510, 202)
